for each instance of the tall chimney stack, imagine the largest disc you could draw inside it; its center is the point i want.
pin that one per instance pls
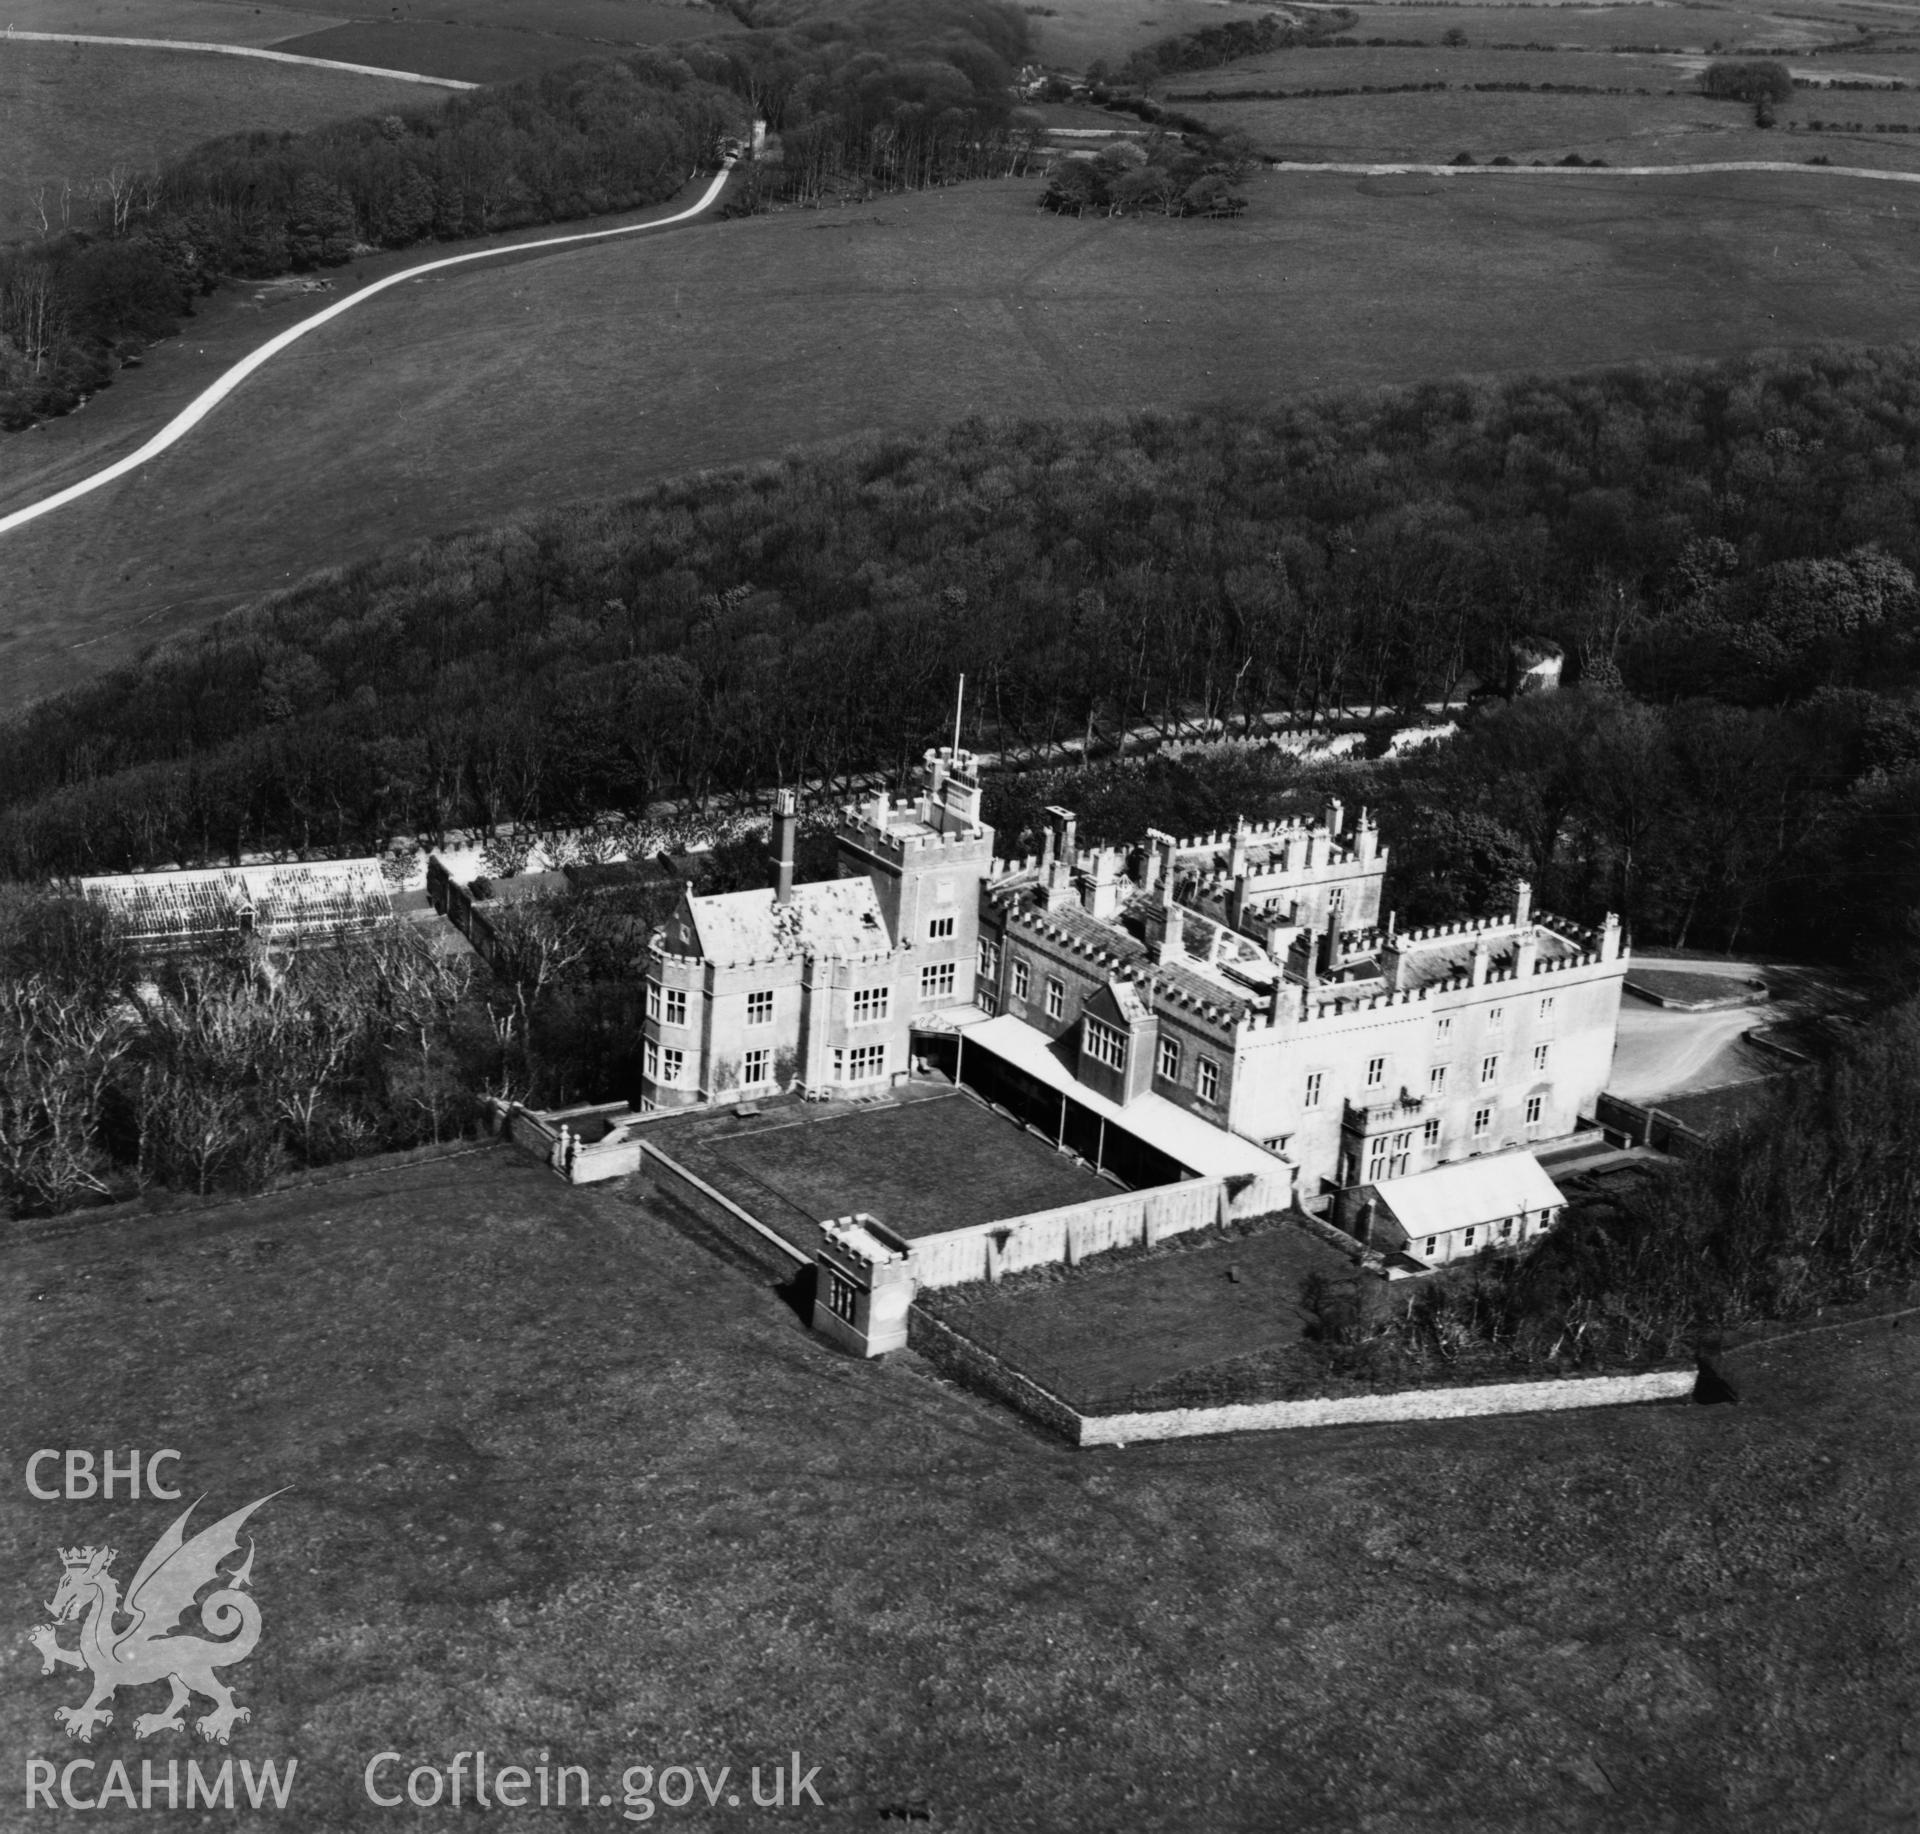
(1171, 943)
(1330, 945)
(786, 825)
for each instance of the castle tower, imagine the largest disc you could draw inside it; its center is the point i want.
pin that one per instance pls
(928, 856)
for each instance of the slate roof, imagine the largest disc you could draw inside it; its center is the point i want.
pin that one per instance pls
(824, 917)
(1128, 1003)
(1467, 1194)
(1172, 978)
(1089, 932)
(1422, 966)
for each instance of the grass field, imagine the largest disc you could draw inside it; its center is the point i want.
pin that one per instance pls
(730, 343)
(1071, 34)
(494, 54)
(1690, 27)
(71, 113)
(1117, 1325)
(242, 22)
(213, 22)
(562, 1480)
(1344, 66)
(922, 1167)
(1651, 117)
(1622, 130)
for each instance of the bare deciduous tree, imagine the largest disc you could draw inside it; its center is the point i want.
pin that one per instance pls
(58, 1051)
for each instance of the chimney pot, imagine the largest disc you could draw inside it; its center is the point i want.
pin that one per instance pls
(786, 824)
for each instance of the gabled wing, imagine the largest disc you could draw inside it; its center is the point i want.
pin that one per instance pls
(175, 1569)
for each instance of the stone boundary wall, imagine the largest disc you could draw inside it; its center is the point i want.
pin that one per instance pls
(955, 1354)
(1335, 1237)
(657, 1162)
(1645, 1125)
(977, 1368)
(1464, 1403)
(578, 1161)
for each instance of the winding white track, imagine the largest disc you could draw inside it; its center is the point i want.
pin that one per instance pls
(210, 398)
(1387, 168)
(272, 57)
(203, 404)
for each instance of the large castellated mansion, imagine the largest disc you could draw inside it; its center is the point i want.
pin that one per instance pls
(1224, 1003)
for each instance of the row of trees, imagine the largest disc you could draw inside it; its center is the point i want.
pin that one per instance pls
(593, 137)
(834, 159)
(1213, 45)
(1740, 533)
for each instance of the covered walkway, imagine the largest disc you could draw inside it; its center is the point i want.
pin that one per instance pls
(1150, 1141)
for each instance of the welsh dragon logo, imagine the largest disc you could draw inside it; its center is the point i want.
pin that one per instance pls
(155, 1646)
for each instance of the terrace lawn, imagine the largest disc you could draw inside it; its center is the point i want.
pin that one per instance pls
(924, 1165)
(1114, 1325)
(563, 1480)
(1685, 985)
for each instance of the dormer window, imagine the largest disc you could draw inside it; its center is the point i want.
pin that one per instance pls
(1104, 1044)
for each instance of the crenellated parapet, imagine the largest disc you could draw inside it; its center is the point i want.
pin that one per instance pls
(917, 831)
(1174, 997)
(1467, 927)
(1250, 834)
(675, 970)
(891, 830)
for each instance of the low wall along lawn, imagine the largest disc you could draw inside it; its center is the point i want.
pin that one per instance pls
(1076, 1232)
(1464, 1403)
